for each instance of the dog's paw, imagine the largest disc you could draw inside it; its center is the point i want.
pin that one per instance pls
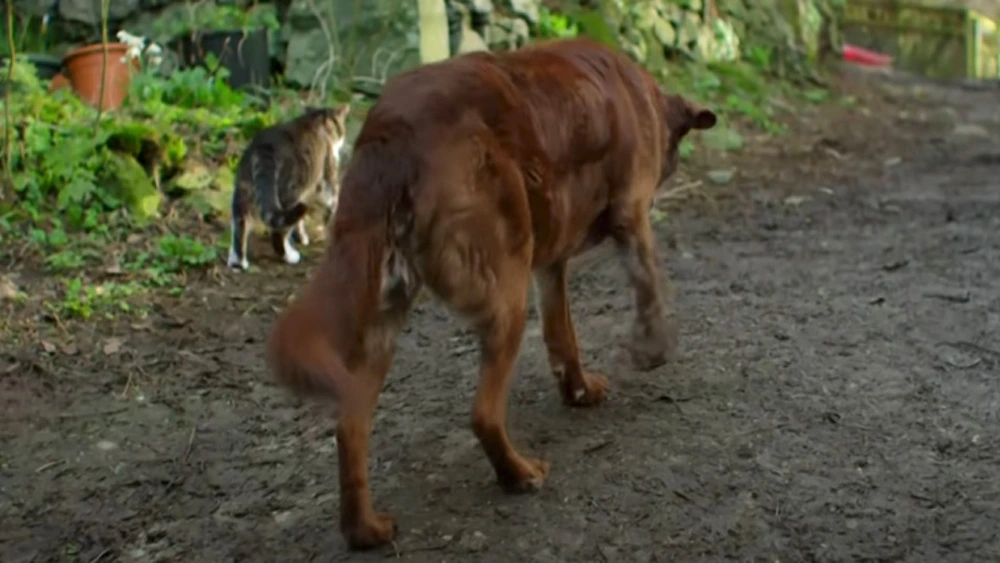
(527, 475)
(587, 391)
(651, 347)
(378, 529)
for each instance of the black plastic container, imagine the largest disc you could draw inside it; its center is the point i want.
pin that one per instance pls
(246, 55)
(46, 66)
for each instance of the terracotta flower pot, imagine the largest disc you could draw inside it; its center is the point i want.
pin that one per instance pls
(59, 82)
(83, 65)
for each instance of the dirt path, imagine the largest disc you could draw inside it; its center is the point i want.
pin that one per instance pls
(836, 397)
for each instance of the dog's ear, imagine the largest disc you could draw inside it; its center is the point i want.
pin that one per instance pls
(683, 115)
(700, 117)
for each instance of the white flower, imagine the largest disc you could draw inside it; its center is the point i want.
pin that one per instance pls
(134, 42)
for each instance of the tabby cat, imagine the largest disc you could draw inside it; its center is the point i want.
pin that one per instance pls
(285, 168)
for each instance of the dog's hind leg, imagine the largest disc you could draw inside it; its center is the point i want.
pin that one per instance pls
(577, 386)
(500, 336)
(361, 526)
(654, 339)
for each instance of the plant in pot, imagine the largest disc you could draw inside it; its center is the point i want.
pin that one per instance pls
(99, 72)
(237, 38)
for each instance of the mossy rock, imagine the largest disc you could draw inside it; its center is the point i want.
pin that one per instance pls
(213, 197)
(194, 176)
(148, 145)
(126, 178)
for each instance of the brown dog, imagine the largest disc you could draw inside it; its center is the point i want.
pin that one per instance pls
(469, 176)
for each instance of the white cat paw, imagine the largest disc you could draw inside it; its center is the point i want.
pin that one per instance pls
(236, 262)
(292, 256)
(303, 238)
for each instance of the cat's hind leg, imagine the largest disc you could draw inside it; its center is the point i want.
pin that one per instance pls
(299, 234)
(281, 241)
(238, 243)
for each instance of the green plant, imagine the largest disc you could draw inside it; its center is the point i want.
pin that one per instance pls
(28, 34)
(182, 252)
(82, 300)
(207, 16)
(553, 25)
(81, 185)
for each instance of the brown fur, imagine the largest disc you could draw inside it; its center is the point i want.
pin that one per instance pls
(468, 177)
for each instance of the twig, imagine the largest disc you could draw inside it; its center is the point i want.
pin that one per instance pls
(101, 555)
(49, 465)
(396, 553)
(105, 9)
(597, 447)
(327, 67)
(8, 151)
(676, 193)
(187, 450)
(972, 346)
(952, 296)
(105, 412)
(128, 385)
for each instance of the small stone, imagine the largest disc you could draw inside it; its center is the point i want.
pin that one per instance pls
(473, 542)
(282, 518)
(722, 138)
(8, 290)
(106, 445)
(721, 176)
(971, 130)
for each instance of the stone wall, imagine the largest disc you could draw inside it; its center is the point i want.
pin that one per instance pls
(358, 43)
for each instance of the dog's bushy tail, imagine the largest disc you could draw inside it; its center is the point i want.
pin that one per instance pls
(308, 367)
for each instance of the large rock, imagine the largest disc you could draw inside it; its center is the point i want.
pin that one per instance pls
(371, 43)
(507, 34)
(529, 10)
(89, 11)
(468, 39)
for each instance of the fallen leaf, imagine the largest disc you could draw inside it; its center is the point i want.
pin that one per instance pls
(48, 346)
(112, 346)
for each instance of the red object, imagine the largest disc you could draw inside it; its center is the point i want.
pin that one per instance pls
(59, 82)
(865, 57)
